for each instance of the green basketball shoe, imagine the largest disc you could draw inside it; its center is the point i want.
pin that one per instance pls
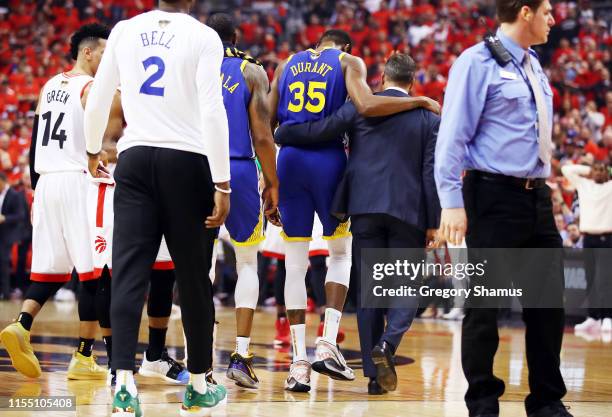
(198, 405)
(124, 405)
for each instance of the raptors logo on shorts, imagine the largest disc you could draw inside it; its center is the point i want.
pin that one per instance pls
(100, 244)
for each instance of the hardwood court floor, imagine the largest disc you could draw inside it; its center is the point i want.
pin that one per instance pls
(431, 379)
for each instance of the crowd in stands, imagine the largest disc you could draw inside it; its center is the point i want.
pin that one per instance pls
(34, 47)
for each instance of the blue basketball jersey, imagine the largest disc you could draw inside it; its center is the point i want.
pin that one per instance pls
(236, 97)
(311, 86)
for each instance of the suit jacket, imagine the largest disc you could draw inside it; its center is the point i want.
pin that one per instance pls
(13, 210)
(390, 164)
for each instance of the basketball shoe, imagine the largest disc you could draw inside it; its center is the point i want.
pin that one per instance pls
(164, 368)
(339, 338)
(329, 361)
(85, 368)
(198, 405)
(16, 341)
(299, 377)
(240, 369)
(124, 405)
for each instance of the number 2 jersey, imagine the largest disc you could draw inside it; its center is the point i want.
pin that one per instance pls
(311, 86)
(60, 139)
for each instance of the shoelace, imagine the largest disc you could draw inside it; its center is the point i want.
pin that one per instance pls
(168, 359)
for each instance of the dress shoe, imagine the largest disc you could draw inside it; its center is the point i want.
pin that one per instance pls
(375, 389)
(385, 366)
(556, 410)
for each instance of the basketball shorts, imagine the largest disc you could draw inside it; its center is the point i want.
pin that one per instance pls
(60, 232)
(245, 219)
(308, 181)
(101, 222)
(274, 244)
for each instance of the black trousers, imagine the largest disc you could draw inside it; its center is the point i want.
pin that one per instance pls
(381, 231)
(598, 264)
(162, 191)
(5, 268)
(508, 216)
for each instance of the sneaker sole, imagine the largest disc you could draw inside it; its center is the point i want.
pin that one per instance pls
(87, 377)
(241, 378)
(201, 412)
(328, 367)
(125, 414)
(385, 376)
(22, 362)
(152, 374)
(297, 387)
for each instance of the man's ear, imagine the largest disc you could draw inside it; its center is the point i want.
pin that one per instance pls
(383, 79)
(87, 52)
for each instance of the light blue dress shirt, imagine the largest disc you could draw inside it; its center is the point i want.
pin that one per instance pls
(489, 120)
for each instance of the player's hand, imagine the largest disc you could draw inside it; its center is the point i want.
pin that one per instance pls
(220, 211)
(434, 241)
(270, 202)
(431, 105)
(453, 225)
(96, 168)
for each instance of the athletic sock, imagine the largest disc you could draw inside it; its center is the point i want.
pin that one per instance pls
(242, 345)
(198, 381)
(126, 378)
(157, 341)
(298, 341)
(85, 346)
(331, 325)
(108, 343)
(26, 320)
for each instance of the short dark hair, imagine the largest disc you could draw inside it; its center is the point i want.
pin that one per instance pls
(88, 33)
(224, 25)
(338, 37)
(400, 68)
(507, 10)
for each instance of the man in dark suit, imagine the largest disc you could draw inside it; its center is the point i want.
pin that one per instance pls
(12, 214)
(388, 190)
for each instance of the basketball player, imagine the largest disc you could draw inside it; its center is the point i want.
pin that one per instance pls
(172, 179)
(60, 230)
(308, 86)
(245, 91)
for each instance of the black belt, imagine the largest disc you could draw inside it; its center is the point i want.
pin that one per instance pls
(525, 183)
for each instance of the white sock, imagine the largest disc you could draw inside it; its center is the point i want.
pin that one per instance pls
(242, 345)
(331, 325)
(298, 340)
(198, 381)
(126, 378)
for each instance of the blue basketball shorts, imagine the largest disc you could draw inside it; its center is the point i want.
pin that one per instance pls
(245, 220)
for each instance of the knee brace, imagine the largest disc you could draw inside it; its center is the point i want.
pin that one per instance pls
(247, 286)
(42, 291)
(339, 269)
(296, 265)
(103, 299)
(87, 300)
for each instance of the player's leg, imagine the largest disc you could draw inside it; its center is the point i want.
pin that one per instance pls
(245, 226)
(186, 193)
(103, 300)
(329, 360)
(156, 362)
(136, 239)
(50, 271)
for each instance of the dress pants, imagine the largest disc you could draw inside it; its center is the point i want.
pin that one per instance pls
(170, 192)
(509, 216)
(381, 231)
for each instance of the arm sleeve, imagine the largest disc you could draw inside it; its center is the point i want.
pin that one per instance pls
(464, 102)
(575, 173)
(101, 95)
(324, 130)
(212, 110)
(33, 174)
(429, 184)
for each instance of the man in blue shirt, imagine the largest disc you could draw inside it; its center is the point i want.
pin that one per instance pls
(496, 124)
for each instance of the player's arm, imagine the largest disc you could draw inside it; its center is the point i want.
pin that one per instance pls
(261, 135)
(34, 176)
(114, 127)
(99, 102)
(214, 122)
(369, 105)
(324, 130)
(273, 96)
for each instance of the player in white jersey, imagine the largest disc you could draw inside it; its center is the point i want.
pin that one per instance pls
(172, 179)
(60, 229)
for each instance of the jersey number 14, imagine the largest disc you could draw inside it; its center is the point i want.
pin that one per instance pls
(57, 134)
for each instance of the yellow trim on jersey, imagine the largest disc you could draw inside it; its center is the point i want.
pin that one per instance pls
(256, 237)
(243, 65)
(341, 231)
(295, 239)
(341, 56)
(289, 58)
